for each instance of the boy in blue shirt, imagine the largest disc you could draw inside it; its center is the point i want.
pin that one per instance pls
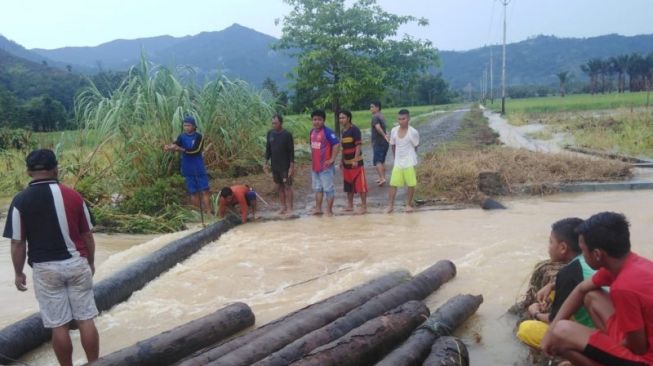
(190, 144)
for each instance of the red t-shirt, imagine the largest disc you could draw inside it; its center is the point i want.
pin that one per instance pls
(322, 142)
(631, 292)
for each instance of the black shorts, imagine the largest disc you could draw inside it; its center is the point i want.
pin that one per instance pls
(281, 177)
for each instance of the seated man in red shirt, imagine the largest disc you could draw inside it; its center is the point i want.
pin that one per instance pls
(624, 317)
(241, 195)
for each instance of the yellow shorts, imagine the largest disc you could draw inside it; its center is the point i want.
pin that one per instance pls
(403, 177)
(531, 332)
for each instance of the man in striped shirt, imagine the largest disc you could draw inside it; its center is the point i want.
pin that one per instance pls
(50, 225)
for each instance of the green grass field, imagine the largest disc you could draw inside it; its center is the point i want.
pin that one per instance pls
(618, 123)
(572, 103)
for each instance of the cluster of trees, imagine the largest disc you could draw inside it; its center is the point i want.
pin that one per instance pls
(349, 55)
(607, 75)
(41, 98)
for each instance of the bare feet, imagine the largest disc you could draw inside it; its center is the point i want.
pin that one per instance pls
(389, 209)
(316, 211)
(381, 182)
(409, 209)
(329, 213)
(348, 209)
(361, 211)
(281, 211)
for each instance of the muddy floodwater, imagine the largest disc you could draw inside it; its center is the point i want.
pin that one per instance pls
(278, 267)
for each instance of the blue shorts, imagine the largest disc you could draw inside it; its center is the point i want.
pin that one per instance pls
(380, 151)
(323, 181)
(250, 196)
(197, 183)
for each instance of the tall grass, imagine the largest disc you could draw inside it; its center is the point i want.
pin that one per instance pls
(146, 112)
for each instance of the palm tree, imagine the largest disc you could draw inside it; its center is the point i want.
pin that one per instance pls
(564, 77)
(593, 68)
(620, 64)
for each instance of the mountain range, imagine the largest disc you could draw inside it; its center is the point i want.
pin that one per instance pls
(242, 52)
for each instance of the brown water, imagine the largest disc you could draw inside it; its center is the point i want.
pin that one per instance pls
(277, 267)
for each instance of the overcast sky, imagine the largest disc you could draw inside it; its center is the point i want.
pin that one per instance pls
(454, 24)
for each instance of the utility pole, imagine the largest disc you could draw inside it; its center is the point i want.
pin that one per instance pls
(503, 68)
(491, 77)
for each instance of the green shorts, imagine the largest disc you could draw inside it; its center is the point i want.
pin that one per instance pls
(403, 177)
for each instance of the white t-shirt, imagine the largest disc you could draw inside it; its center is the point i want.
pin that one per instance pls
(405, 154)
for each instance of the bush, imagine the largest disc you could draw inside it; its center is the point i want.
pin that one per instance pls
(152, 200)
(18, 139)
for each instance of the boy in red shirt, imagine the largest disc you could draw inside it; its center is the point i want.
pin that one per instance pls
(624, 317)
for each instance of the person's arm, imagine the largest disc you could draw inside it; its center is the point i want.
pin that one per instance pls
(414, 138)
(542, 295)
(242, 202)
(268, 154)
(88, 239)
(379, 129)
(567, 279)
(334, 154)
(18, 256)
(573, 302)
(291, 155)
(223, 207)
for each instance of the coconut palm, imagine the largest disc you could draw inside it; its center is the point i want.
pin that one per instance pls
(593, 69)
(564, 77)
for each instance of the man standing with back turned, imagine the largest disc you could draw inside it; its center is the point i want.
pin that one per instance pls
(50, 225)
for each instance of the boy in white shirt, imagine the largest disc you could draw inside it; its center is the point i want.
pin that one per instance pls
(404, 141)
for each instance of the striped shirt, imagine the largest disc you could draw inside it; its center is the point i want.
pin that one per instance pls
(51, 218)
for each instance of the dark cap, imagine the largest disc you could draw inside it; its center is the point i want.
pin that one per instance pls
(43, 159)
(190, 120)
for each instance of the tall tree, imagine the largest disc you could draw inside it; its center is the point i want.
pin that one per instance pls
(620, 64)
(593, 69)
(346, 52)
(564, 77)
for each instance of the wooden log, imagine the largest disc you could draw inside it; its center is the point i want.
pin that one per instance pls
(366, 344)
(24, 335)
(274, 335)
(441, 323)
(418, 288)
(174, 344)
(448, 351)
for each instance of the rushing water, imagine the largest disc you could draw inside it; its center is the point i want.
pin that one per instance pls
(277, 267)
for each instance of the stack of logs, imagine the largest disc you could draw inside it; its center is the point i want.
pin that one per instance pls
(381, 322)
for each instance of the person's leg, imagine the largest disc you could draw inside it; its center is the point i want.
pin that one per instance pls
(206, 203)
(410, 177)
(253, 207)
(380, 170)
(289, 198)
(409, 199)
(62, 345)
(318, 203)
(282, 198)
(392, 193)
(319, 193)
(327, 177)
(363, 203)
(350, 201)
(195, 199)
(600, 308)
(90, 339)
(568, 338)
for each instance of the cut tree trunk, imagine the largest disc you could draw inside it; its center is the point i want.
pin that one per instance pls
(416, 289)
(172, 345)
(367, 343)
(26, 334)
(260, 342)
(448, 351)
(443, 322)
